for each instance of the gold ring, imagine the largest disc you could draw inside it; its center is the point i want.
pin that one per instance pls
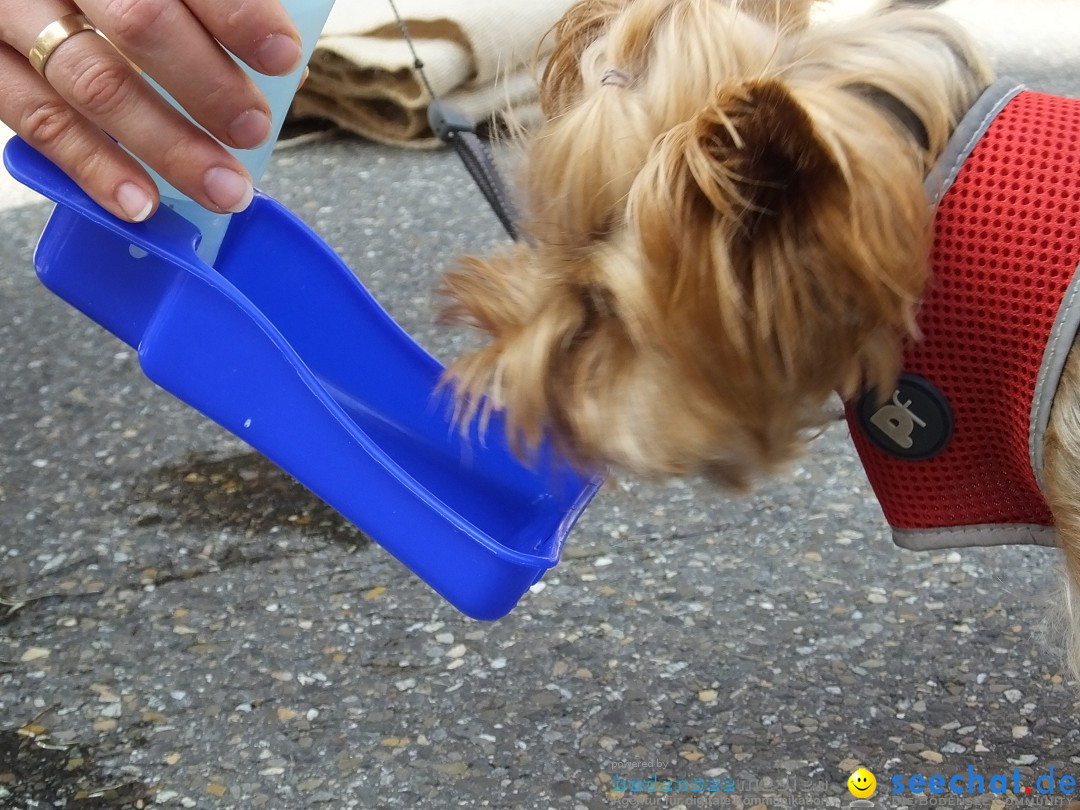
(54, 35)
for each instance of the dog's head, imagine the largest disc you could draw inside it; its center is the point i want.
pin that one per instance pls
(725, 223)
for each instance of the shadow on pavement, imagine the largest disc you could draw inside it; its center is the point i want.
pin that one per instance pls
(245, 493)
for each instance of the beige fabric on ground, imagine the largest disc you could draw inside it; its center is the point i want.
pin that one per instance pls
(479, 55)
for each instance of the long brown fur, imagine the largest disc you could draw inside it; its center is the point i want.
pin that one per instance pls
(718, 240)
(725, 224)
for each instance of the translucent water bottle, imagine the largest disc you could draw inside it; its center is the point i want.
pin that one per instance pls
(309, 17)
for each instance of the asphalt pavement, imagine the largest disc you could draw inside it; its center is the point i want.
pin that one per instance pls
(184, 626)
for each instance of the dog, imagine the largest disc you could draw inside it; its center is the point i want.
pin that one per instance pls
(734, 212)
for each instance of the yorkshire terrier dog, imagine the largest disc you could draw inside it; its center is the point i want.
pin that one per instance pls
(733, 212)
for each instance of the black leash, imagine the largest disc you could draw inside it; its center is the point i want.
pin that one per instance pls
(454, 128)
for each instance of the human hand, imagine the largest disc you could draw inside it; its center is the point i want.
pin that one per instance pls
(89, 89)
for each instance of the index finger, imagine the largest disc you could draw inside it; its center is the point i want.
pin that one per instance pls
(258, 32)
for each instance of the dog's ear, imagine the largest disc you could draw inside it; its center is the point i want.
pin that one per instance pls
(495, 295)
(555, 338)
(500, 296)
(748, 209)
(752, 157)
(730, 203)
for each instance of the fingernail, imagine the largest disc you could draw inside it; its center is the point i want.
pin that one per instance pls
(228, 190)
(250, 129)
(134, 202)
(278, 54)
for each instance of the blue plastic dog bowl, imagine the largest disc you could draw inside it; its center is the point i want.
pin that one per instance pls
(280, 344)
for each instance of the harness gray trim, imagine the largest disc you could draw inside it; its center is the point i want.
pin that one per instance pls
(1057, 351)
(966, 136)
(975, 536)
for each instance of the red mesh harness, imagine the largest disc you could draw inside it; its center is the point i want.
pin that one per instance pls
(997, 323)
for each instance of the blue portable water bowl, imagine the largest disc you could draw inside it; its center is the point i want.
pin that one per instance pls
(280, 344)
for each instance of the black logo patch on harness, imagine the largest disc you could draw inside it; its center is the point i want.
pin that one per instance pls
(915, 424)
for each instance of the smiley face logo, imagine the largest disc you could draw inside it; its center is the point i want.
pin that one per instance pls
(862, 784)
